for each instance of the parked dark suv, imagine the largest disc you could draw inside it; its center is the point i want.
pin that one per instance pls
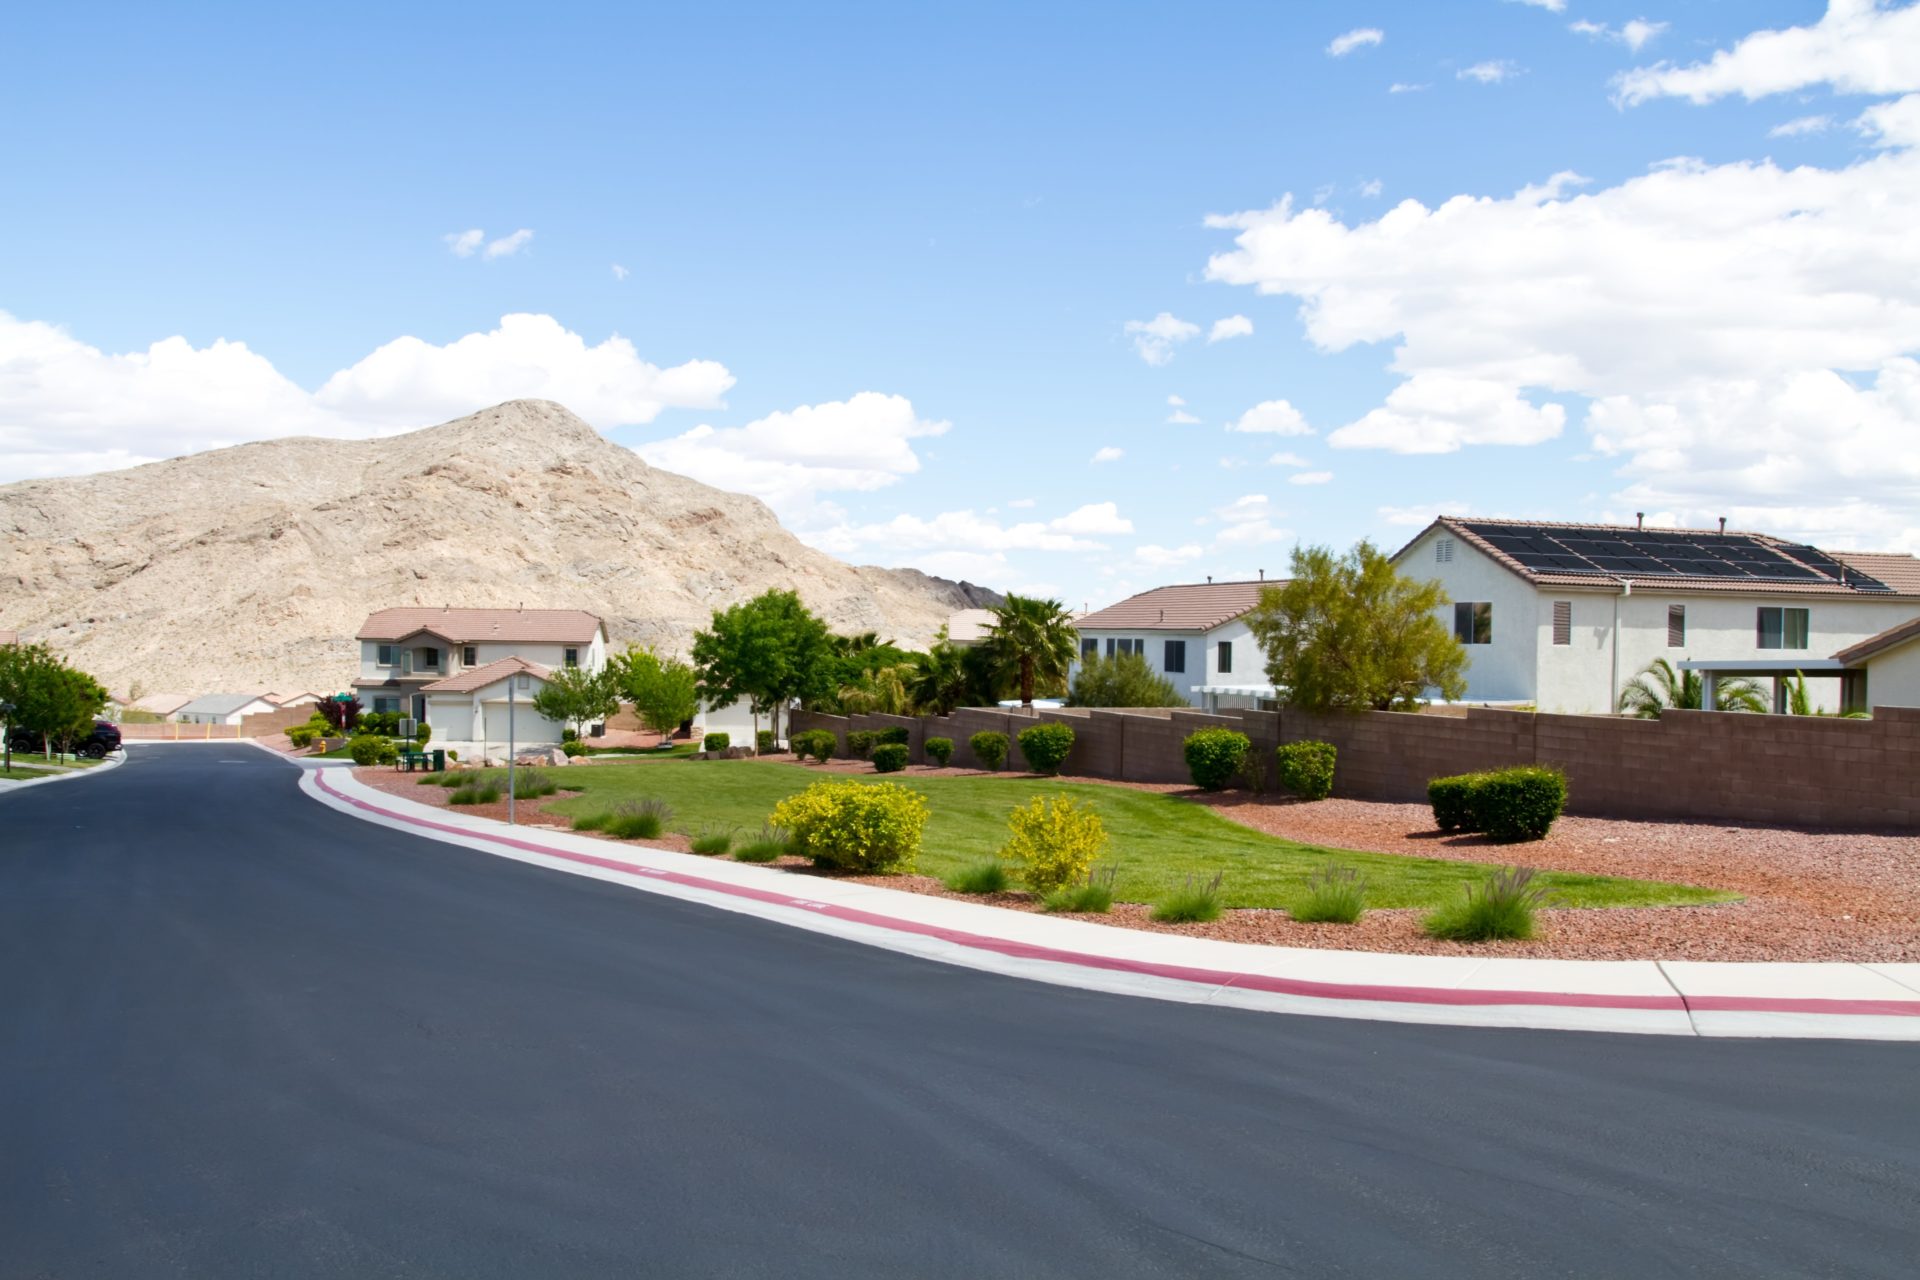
(104, 738)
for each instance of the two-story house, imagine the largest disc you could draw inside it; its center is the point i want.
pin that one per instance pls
(447, 666)
(1194, 634)
(1563, 615)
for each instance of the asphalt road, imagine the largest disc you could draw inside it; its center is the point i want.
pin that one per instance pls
(244, 1035)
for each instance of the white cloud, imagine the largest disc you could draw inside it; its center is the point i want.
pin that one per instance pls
(1230, 327)
(1492, 71)
(1153, 556)
(1892, 124)
(1635, 34)
(1401, 86)
(1801, 125)
(1287, 460)
(1310, 477)
(1095, 519)
(1108, 453)
(1021, 504)
(620, 272)
(1420, 516)
(66, 407)
(1248, 521)
(1272, 417)
(1155, 339)
(1372, 188)
(1551, 6)
(1181, 418)
(1701, 309)
(507, 246)
(1358, 38)
(969, 532)
(1858, 46)
(1176, 401)
(464, 244)
(789, 458)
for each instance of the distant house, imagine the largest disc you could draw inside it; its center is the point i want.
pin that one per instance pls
(404, 650)
(161, 704)
(301, 698)
(222, 708)
(1563, 615)
(969, 627)
(1194, 634)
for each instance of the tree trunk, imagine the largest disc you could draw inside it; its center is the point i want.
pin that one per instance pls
(1026, 683)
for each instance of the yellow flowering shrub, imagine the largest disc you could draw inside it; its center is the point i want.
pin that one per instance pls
(1055, 841)
(856, 826)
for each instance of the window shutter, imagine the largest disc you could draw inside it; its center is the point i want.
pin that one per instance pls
(1443, 551)
(1563, 622)
(1676, 626)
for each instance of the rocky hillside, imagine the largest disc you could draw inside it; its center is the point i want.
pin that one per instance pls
(252, 567)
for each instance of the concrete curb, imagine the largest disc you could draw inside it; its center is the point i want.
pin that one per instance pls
(1840, 1001)
(108, 765)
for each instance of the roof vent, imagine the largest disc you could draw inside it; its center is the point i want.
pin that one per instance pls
(1263, 575)
(1209, 578)
(1723, 524)
(1639, 519)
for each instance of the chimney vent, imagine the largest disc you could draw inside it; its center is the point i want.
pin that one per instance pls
(1209, 578)
(1723, 524)
(1639, 519)
(1263, 575)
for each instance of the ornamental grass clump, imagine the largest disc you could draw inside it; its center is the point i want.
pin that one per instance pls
(855, 826)
(1306, 768)
(1215, 756)
(1046, 747)
(712, 844)
(768, 846)
(989, 748)
(1503, 908)
(1195, 902)
(890, 757)
(1335, 895)
(1091, 896)
(475, 793)
(531, 784)
(939, 750)
(638, 820)
(1054, 841)
(591, 821)
(980, 877)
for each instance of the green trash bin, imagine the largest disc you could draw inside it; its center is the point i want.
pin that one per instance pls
(439, 760)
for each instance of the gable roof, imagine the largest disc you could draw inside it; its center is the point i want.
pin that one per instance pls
(480, 677)
(219, 704)
(1560, 554)
(1193, 606)
(1892, 638)
(476, 626)
(162, 704)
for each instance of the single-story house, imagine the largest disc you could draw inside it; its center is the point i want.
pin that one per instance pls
(161, 704)
(1562, 616)
(222, 708)
(482, 709)
(1195, 635)
(403, 650)
(300, 698)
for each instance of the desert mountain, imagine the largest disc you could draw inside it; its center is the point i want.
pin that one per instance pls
(253, 566)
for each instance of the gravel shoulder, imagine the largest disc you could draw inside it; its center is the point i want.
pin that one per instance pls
(1809, 894)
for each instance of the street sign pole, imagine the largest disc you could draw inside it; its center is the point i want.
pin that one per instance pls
(511, 682)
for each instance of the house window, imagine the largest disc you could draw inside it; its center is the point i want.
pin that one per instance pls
(384, 657)
(1443, 551)
(1089, 648)
(469, 656)
(382, 705)
(1563, 622)
(1176, 656)
(1781, 628)
(1473, 622)
(1676, 626)
(1109, 646)
(1226, 657)
(430, 659)
(572, 657)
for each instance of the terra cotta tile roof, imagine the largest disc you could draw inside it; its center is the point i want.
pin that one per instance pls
(480, 677)
(1892, 637)
(1193, 606)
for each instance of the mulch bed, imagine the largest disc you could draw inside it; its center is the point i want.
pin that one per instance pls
(1810, 894)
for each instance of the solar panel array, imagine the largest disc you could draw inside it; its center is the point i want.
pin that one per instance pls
(1666, 553)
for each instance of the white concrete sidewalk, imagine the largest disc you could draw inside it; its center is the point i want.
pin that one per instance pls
(58, 774)
(1848, 1001)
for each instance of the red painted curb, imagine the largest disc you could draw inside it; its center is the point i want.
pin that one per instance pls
(1180, 973)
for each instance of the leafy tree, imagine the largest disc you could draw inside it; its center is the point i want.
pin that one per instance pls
(1034, 640)
(49, 698)
(1798, 703)
(1663, 688)
(884, 691)
(1124, 680)
(938, 682)
(665, 692)
(770, 650)
(575, 696)
(1350, 633)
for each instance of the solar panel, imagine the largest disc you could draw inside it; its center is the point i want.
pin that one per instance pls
(1666, 553)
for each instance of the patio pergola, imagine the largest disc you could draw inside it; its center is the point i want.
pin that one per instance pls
(1853, 680)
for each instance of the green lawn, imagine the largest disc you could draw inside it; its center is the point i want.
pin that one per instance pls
(1157, 840)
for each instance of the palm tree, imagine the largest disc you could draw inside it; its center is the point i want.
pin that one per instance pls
(1035, 638)
(1662, 688)
(938, 681)
(850, 646)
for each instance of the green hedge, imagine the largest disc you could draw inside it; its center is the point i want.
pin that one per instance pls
(860, 743)
(1214, 756)
(1508, 805)
(890, 757)
(1306, 768)
(716, 742)
(1046, 746)
(989, 748)
(820, 744)
(898, 735)
(764, 742)
(939, 750)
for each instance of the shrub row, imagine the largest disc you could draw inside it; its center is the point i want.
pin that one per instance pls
(861, 742)
(1508, 805)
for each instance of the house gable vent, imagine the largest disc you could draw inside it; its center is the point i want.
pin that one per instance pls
(1563, 622)
(1443, 551)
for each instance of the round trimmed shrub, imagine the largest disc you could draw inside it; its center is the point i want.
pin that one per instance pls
(1452, 802)
(860, 743)
(300, 737)
(764, 742)
(989, 748)
(1054, 841)
(897, 734)
(365, 749)
(573, 748)
(855, 826)
(890, 757)
(1513, 805)
(716, 742)
(1215, 756)
(939, 750)
(1046, 746)
(1306, 768)
(822, 744)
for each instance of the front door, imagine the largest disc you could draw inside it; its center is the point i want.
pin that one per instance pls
(420, 707)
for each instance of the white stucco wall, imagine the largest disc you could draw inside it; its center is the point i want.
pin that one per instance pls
(736, 721)
(593, 656)
(1506, 670)
(1893, 678)
(1155, 652)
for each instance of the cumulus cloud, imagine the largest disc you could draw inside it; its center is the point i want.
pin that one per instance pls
(464, 244)
(1153, 556)
(1739, 330)
(1493, 71)
(1634, 34)
(1401, 86)
(1551, 6)
(1801, 125)
(1231, 327)
(788, 458)
(1181, 418)
(67, 407)
(1155, 339)
(1022, 504)
(1310, 477)
(1287, 460)
(1372, 188)
(1108, 453)
(1176, 401)
(1420, 516)
(620, 272)
(1248, 521)
(1358, 38)
(1858, 46)
(970, 532)
(508, 245)
(1273, 418)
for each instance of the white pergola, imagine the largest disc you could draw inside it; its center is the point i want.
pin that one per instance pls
(1766, 668)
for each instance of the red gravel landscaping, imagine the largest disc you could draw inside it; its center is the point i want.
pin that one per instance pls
(1810, 894)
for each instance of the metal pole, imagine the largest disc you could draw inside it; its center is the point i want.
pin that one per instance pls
(511, 681)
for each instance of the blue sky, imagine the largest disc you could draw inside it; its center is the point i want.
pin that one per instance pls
(889, 256)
